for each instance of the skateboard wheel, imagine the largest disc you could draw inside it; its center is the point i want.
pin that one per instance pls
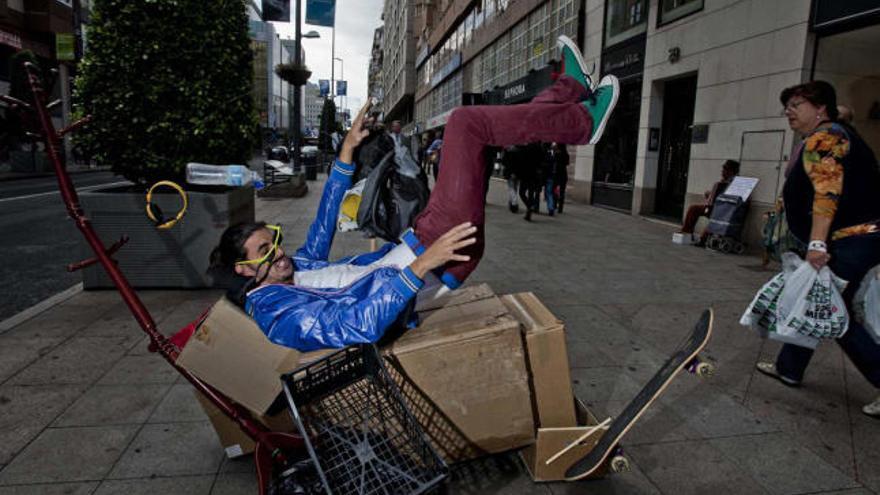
(619, 464)
(705, 369)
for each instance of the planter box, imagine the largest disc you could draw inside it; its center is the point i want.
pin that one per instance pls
(153, 258)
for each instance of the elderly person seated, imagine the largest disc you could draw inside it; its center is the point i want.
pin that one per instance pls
(729, 170)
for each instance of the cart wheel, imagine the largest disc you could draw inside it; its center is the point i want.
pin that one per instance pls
(725, 245)
(739, 248)
(712, 242)
(705, 369)
(619, 464)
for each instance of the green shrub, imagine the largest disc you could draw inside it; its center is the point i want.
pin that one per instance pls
(167, 82)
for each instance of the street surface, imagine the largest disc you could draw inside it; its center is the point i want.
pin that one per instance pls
(38, 239)
(85, 409)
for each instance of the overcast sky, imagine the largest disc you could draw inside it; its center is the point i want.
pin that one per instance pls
(355, 22)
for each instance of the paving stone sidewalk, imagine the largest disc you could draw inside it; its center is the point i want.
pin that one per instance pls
(85, 409)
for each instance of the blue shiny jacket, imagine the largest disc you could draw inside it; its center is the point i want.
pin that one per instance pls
(308, 319)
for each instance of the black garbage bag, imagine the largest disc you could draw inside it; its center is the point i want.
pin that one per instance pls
(395, 192)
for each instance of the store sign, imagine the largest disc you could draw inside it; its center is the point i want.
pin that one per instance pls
(10, 39)
(446, 70)
(320, 12)
(65, 47)
(276, 10)
(834, 14)
(626, 59)
(515, 91)
(523, 89)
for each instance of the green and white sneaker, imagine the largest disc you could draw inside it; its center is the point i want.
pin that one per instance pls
(600, 104)
(573, 64)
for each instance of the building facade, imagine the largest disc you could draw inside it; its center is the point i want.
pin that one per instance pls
(271, 93)
(398, 76)
(375, 84)
(700, 82)
(32, 25)
(313, 103)
(488, 51)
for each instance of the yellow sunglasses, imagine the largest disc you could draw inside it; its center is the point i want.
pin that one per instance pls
(270, 254)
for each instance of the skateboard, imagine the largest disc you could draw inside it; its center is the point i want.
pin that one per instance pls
(685, 357)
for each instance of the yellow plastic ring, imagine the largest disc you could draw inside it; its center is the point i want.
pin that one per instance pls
(160, 222)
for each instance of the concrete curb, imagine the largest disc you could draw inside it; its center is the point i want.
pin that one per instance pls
(13, 176)
(36, 309)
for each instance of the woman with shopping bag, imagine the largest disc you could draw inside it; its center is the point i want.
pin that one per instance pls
(831, 206)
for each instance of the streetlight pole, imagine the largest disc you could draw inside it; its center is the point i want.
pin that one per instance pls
(332, 59)
(297, 89)
(341, 76)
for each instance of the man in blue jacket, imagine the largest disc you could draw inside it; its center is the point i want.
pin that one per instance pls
(307, 302)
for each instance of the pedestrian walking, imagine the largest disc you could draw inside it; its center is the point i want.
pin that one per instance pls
(548, 177)
(560, 175)
(528, 167)
(508, 161)
(831, 206)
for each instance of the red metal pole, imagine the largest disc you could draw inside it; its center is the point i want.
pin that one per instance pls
(271, 442)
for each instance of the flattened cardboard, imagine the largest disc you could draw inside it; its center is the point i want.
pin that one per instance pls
(549, 441)
(456, 298)
(547, 359)
(229, 352)
(463, 375)
(234, 441)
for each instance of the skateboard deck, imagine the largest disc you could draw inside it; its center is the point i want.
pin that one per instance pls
(684, 356)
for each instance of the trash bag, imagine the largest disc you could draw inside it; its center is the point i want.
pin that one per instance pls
(395, 192)
(866, 303)
(810, 302)
(370, 153)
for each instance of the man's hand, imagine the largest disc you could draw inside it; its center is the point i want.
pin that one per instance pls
(355, 135)
(443, 249)
(818, 259)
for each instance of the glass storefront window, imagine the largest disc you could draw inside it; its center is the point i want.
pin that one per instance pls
(672, 10)
(849, 62)
(624, 19)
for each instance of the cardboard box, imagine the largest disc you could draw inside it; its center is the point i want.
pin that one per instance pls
(547, 360)
(463, 375)
(454, 298)
(229, 352)
(234, 441)
(549, 441)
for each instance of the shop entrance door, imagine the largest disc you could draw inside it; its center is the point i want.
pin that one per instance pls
(675, 146)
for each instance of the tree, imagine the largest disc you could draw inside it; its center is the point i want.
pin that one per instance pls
(328, 126)
(166, 82)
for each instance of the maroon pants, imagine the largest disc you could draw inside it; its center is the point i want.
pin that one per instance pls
(555, 115)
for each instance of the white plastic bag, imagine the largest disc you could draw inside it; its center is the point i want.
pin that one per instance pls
(810, 303)
(866, 303)
(761, 315)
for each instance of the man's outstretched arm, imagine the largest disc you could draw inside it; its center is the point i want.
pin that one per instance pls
(320, 237)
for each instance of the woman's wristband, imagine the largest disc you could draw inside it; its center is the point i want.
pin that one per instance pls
(817, 245)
